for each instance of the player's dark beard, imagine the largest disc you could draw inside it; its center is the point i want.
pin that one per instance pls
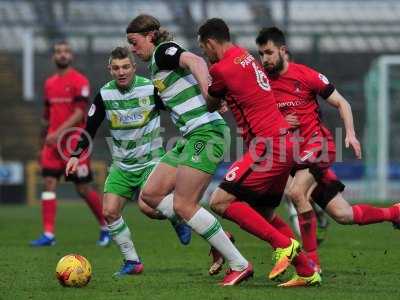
(274, 71)
(62, 64)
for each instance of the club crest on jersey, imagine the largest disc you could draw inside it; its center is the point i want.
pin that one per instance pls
(145, 101)
(297, 86)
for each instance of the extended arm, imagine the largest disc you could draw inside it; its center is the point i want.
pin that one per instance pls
(338, 101)
(198, 67)
(96, 116)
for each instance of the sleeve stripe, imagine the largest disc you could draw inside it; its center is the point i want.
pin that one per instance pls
(330, 88)
(81, 98)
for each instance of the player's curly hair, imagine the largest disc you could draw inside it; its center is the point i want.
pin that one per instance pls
(146, 24)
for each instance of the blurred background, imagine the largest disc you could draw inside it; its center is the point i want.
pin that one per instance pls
(354, 43)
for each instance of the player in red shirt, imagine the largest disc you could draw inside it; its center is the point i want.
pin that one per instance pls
(66, 96)
(260, 176)
(296, 87)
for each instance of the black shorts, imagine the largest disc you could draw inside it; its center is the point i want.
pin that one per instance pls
(81, 176)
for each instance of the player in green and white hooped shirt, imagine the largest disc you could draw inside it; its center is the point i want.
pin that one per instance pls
(181, 77)
(130, 106)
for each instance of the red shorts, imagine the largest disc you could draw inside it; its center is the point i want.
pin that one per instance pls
(260, 176)
(317, 153)
(53, 164)
(317, 150)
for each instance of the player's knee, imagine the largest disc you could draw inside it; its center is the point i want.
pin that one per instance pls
(148, 195)
(218, 206)
(342, 216)
(111, 214)
(49, 184)
(296, 195)
(184, 208)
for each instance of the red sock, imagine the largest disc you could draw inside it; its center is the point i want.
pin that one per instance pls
(308, 230)
(251, 221)
(282, 226)
(93, 199)
(302, 266)
(364, 214)
(49, 209)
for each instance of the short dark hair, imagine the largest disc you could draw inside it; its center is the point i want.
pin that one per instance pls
(214, 28)
(273, 34)
(121, 53)
(58, 43)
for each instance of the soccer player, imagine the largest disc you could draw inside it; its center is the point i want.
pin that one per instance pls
(322, 218)
(296, 87)
(259, 177)
(66, 96)
(130, 106)
(181, 79)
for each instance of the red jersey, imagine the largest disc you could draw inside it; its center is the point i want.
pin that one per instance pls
(296, 92)
(64, 93)
(241, 80)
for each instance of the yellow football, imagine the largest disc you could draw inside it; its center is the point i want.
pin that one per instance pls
(73, 270)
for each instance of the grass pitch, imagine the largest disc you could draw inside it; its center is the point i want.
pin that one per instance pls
(358, 262)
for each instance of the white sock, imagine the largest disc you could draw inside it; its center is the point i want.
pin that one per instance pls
(50, 235)
(122, 236)
(294, 220)
(205, 224)
(166, 207)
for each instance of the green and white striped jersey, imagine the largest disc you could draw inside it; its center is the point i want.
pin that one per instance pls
(134, 122)
(180, 92)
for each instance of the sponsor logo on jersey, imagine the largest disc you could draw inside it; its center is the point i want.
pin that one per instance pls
(85, 91)
(92, 110)
(136, 119)
(323, 78)
(291, 103)
(171, 51)
(244, 60)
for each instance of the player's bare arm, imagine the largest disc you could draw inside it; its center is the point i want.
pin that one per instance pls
(44, 125)
(338, 101)
(74, 119)
(96, 116)
(198, 67)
